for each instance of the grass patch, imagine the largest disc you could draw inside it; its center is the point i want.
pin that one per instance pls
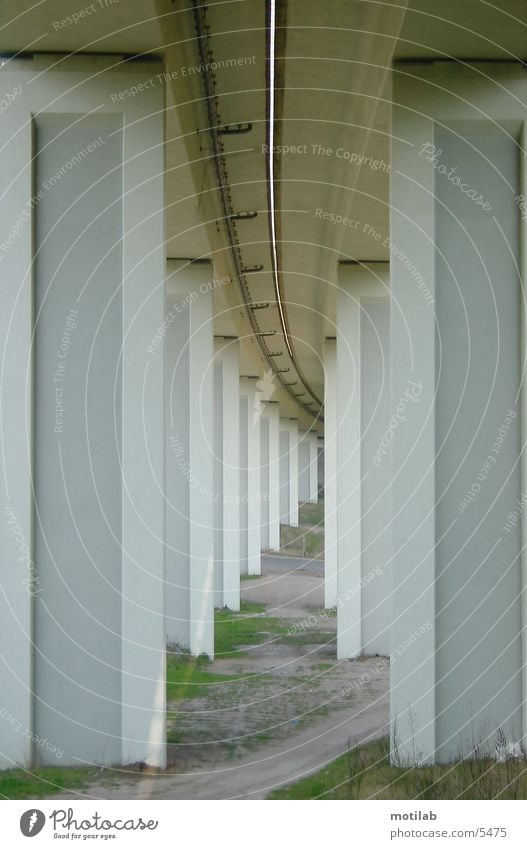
(300, 542)
(250, 578)
(258, 738)
(308, 539)
(249, 627)
(326, 612)
(365, 772)
(314, 544)
(311, 638)
(311, 514)
(43, 781)
(190, 677)
(247, 607)
(291, 541)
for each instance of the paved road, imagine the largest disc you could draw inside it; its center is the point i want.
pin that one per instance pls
(276, 564)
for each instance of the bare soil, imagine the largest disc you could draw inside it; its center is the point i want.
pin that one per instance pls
(290, 708)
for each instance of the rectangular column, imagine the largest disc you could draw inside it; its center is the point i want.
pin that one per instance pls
(313, 467)
(143, 651)
(330, 474)
(189, 558)
(270, 475)
(250, 477)
(226, 371)
(363, 465)
(307, 467)
(289, 472)
(457, 244)
(348, 462)
(81, 563)
(304, 466)
(78, 339)
(17, 562)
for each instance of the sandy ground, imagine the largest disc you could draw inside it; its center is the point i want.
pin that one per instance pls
(288, 709)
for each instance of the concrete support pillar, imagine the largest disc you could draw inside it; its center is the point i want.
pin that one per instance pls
(304, 466)
(270, 475)
(250, 478)
(289, 472)
(226, 393)
(189, 558)
(363, 467)
(320, 463)
(331, 537)
(458, 363)
(307, 467)
(81, 541)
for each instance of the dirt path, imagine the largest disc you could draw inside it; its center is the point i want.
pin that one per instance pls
(284, 709)
(254, 777)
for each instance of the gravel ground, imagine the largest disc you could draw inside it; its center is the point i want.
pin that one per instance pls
(290, 708)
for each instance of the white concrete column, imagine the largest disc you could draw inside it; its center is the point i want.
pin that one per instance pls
(457, 243)
(307, 467)
(189, 559)
(81, 542)
(313, 468)
(17, 565)
(143, 688)
(304, 466)
(270, 475)
(330, 474)
(363, 467)
(289, 472)
(250, 478)
(226, 392)
(349, 538)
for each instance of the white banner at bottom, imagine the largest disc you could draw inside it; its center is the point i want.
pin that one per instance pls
(261, 824)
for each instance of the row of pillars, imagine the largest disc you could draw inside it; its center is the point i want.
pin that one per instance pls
(118, 534)
(235, 470)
